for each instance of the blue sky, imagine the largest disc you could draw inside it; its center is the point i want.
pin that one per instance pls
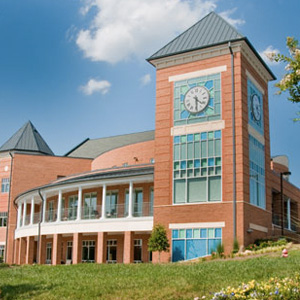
(77, 69)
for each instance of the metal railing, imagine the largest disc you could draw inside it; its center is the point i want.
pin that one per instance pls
(50, 216)
(90, 213)
(69, 214)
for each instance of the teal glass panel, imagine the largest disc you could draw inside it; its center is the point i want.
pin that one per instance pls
(197, 172)
(176, 139)
(190, 164)
(218, 161)
(179, 191)
(204, 149)
(203, 162)
(211, 232)
(183, 151)
(189, 233)
(211, 162)
(217, 134)
(203, 233)
(197, 150)
(176, 152)
(197, 190)
(210, 148)
(183, 164)
(217, 84)
(195, 248)
(196, 233)
(190, 173)
(209, 84)
(218, 171)
(182, 174)
(190, 138)
(197, 163)
(211, 171)
(177, 104)
(213, 244)
(217, 147)
(203, 135)
(176, 165)
(217, 109)
(210, 135)
(218, 232)
(183, 139)
(178, 250)
(214, 188)
(181, 233)
(197, 137)
(190, 150)
(175, 234)
(176, 174)
(217, 97)
(203, 172)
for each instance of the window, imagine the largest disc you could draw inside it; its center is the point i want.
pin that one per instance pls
(197, 167)
(195, 242)
(257, 172)
(90, 206)
(138, 203)
(88, 251)
(49, 253)
(151, 201)
(111, 256)
(2, 248)
(73, 203)
(111, 204)
(51, 211)
(69, 250)
(213, 109)
(3, 219)
(137, 257)
(5, 185)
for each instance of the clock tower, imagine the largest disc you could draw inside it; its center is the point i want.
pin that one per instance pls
(212, 147)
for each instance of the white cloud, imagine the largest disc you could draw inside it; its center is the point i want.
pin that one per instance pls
(267, 54)
(234, 22)
(94, 86)
(146, 79)
(121, 30)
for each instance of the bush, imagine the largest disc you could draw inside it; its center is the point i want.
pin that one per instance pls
(260, 244)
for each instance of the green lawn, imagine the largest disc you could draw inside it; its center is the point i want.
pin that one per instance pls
(140, 281)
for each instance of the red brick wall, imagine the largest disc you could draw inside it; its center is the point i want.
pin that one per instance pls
(31, 171)
(139, 153)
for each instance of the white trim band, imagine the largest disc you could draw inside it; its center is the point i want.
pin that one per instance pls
(198, 73)
(196, 225)
(255, 82)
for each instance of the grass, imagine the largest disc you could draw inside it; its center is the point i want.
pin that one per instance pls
(140, 281)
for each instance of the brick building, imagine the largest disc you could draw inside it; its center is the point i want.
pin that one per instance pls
(205, 173)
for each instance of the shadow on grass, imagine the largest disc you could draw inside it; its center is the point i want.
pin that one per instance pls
(22, 291)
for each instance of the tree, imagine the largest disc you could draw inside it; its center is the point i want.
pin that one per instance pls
(158, 240)
(291, 80)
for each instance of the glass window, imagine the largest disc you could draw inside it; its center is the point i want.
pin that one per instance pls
(49, 253)
(138, 203)
(111, 256)
(88, 251)
(5, 185)
(69, 250)
(72, 207)
(3, 219)
(111, 204)
(137, 256)
(2, 249)
(90, 206)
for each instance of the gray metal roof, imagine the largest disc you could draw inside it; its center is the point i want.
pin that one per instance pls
(27, 138)
(209, 31)
(95, 147)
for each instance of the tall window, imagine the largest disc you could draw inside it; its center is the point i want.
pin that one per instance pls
(48, 253)
(88, 251)
(50, 211)
(257, 172)
(73, 203)
(137, 257)
(5, 185)
(138, 203)
(111, 204)
(3, 219)
(111, 256)
(69, 250)
(197, 167)
(2, 248)
(90, 206)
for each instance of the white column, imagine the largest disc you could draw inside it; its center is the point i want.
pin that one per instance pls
(79, 203)
(32, 211)
(130, 200)
(44, 207)
(19, 214)
(103, 213)
(24, 212)
(289, 213)
(59, 206)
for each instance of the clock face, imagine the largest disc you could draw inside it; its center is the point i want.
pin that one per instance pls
(196, 99)
(256, 107)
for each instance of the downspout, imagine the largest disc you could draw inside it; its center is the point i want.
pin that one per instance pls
(8, 209)
(233, 141)
(39, 228)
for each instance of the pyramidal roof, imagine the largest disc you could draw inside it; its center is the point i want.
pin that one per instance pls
(27, 138)
(209, 31)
